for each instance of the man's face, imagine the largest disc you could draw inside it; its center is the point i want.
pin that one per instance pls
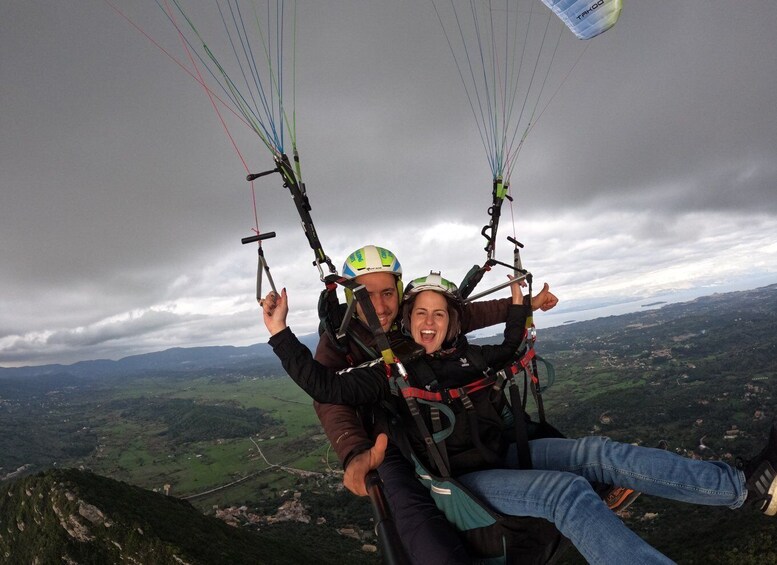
(429, 320)
(382, 288)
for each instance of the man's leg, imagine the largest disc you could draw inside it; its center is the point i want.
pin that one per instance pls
(428, 537)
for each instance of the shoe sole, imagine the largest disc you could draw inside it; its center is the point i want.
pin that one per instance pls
(765, 487)
(771, 508)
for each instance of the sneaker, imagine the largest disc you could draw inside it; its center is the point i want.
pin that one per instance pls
(761, 477)
(618, 499)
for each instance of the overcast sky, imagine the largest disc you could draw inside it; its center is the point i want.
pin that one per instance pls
(652, 175)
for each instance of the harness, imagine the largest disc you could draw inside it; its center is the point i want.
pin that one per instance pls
(444, 404)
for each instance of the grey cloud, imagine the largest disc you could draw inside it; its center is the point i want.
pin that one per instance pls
(121, 193)
(121, 329)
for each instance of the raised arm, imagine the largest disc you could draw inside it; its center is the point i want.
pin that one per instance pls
(515, 326)
(485, 313)
(358, 386)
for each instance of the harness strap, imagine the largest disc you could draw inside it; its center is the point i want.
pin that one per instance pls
(448, 394)
(526, 359)
(521, 433)
(514, 370)
(534, 383)
(489, 455)
(330, 316)
(437, 428)
(415, 412)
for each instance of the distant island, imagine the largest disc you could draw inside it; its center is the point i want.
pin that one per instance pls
(653, 304)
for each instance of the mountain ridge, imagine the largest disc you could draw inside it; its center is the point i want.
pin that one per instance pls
(172, 359)
(182, 359)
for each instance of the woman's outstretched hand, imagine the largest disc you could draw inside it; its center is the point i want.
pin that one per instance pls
(275, 307)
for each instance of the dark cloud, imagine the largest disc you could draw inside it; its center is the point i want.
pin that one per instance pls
(123, 203)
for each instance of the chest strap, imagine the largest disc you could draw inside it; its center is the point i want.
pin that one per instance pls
(448, 394)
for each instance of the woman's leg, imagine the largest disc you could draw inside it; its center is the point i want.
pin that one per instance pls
(652, 471)
(571, 504)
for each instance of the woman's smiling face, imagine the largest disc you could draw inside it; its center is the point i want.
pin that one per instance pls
(429, 320)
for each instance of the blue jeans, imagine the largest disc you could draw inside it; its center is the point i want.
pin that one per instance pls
(558, 490)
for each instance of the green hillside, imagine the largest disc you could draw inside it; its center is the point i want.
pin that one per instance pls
(71, 516)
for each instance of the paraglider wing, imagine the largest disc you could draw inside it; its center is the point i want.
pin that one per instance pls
(513, 56)
(586, 18)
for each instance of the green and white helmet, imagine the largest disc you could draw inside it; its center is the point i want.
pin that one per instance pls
(432, 281)
(371, 259)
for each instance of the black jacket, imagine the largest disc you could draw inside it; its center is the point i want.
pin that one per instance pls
(451, 368)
